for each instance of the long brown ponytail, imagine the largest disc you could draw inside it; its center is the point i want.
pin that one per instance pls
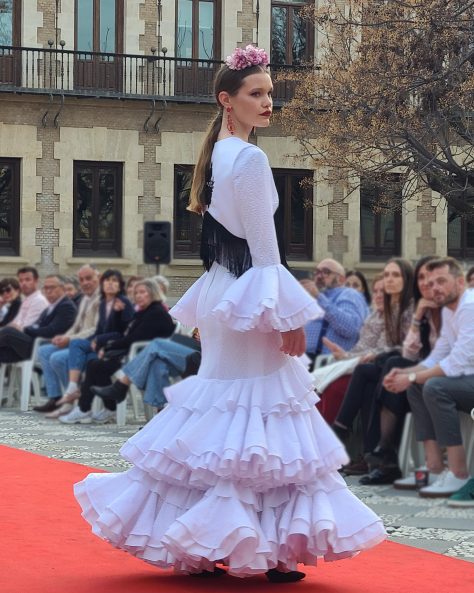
(201, 170)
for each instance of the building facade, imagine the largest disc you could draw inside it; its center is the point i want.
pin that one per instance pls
(103, 106)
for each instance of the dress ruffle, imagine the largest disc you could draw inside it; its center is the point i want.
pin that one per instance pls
(250, 533)
(231, 471)
(264, 298)
(239, 429)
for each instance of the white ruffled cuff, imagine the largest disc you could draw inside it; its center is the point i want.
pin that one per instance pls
(266, 298)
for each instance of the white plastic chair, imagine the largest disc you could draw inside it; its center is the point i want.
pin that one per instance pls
(23, 378)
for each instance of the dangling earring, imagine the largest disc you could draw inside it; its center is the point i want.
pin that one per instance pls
(230, 121)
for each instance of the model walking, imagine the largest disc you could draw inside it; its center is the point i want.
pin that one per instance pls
(240, 468)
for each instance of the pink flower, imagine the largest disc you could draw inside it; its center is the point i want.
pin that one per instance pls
(245, 58)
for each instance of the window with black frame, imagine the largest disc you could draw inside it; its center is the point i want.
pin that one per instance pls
(295, 211)
(380, 219)
(187, 225)
(9, 206)
(460, 235)
(97, 219)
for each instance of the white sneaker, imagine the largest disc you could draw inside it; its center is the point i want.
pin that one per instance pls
(409, 483)
(76, 416)
(104, 416)
(445, 485)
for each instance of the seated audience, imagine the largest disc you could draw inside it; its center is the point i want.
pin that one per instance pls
(152, 369)
(357, 281)
(11, 298)
(73, 291)
(115, 313)
(442, 385)
(361, 393)
(421, 337)
(54, 356)
(16, 344)
(33, 303)
(371, 341)
(130, 286)
(151, 320)
(470, 277)
(345, 309)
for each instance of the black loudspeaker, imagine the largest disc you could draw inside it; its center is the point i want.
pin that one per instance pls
(157, 242)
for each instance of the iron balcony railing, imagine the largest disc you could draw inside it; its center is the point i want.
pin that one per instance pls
(48, 70)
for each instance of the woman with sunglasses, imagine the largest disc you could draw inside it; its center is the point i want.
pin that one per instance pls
(11, 297)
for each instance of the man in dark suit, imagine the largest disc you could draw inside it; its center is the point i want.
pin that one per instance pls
(57, 318)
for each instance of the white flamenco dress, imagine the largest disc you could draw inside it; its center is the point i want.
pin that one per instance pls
(240, 467)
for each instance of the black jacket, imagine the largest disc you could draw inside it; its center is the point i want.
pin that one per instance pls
(152, 322)
(55, 323)
(12, 312)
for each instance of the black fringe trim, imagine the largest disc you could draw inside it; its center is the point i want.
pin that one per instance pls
(220, 245)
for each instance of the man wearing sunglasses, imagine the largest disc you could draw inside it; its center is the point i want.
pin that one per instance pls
(345, 309)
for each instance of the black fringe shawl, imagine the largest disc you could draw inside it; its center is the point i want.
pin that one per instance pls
(221, 246)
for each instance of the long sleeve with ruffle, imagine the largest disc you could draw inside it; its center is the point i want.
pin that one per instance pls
(266, 297)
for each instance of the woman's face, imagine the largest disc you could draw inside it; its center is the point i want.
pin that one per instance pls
(353, 281)
(253, 104)
(377, 296)
(70, 290)
(9, 294)
(111, 286)
(131, 290)
(142, 297)
(392, 279)
(422, 281)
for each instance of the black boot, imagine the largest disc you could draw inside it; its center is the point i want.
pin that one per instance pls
(277, 576)
(116, 392)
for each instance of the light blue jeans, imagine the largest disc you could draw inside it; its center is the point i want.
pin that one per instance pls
(152, 368)
(54, 362)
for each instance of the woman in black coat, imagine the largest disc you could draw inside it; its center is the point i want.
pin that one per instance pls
(150, 321)
(11, 296)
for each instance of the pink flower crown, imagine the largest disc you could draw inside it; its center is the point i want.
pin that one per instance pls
(245, 58)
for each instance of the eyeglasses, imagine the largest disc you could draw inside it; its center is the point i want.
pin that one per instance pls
(50, 286)
(323, 271)
(7, 290)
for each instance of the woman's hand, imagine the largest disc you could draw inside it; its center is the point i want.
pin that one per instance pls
(369, 357)
(93, 345)
(294, 342)
(335, 350)
(101, 354)
(118, 305)
(422, 306)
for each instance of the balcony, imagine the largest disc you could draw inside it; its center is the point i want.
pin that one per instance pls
(93, 74)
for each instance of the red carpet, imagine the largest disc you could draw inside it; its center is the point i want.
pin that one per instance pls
(46, 547)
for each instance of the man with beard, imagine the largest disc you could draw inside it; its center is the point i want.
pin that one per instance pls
(443, 384)
(345, 309)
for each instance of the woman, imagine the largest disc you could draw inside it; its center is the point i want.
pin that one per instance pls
(371, 342)
(421, 337)
(219, 475)
(357, 281)
(361, 393)
(115, 313)
(150, 321)
(11, 297)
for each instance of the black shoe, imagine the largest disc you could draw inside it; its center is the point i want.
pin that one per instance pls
(381, 475)
(49, 406)
(277, 576)
(357, 468)
(116, 392)
(209, 574)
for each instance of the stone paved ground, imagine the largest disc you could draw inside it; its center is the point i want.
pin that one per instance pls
(409, 519)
